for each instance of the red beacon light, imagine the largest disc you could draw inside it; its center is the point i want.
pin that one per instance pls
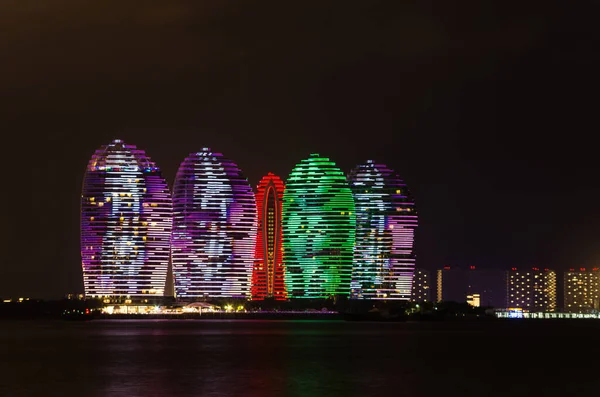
(582, 269)
(513, 268)
(472, 267)
(446, 267)
(535, 268)
(595, 269)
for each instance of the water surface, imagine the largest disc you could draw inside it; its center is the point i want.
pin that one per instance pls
(298, 358)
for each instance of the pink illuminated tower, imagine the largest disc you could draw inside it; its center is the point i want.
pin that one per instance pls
(268, 273)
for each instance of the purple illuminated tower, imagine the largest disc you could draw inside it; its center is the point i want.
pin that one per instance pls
(386, 220)
(126, 219)
(214, 228)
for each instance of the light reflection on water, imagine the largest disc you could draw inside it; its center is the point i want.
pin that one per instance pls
(289, 358)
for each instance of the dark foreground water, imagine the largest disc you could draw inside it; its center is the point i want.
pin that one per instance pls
(299, 358)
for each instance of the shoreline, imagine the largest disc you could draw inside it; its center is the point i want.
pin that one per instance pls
(224, 316)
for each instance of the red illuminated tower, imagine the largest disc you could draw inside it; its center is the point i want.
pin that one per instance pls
(268, 275)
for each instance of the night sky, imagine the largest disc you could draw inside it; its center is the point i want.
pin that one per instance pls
(488, 111)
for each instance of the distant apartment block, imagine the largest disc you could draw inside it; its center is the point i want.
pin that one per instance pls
(582, 290)
(421, 288)
(532, 289)
(474, 300)
(481, 287)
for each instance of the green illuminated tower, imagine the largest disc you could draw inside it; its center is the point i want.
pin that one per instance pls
(319, 226)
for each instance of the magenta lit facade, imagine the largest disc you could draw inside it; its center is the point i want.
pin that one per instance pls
(126, 219)
(214, 228)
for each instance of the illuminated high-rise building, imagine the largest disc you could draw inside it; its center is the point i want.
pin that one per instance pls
(126, 218)
(214, 228)
(582, 290)
(421, 288)
(532, 289)
(386, 220)
(269, 272)
(319, 226)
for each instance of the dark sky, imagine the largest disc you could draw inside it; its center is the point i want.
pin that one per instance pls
(488, 110)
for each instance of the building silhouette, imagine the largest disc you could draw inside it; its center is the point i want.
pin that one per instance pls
(126, 218)
(214, 228)
(386, 220)
(319, 223)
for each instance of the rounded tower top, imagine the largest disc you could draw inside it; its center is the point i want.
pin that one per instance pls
(119, 156)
